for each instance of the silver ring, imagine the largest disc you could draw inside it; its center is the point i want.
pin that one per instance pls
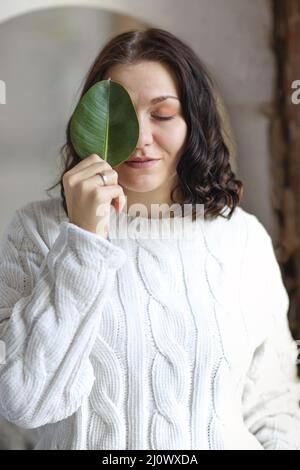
(104, 178)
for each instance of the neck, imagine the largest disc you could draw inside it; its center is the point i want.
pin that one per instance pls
(158, 197)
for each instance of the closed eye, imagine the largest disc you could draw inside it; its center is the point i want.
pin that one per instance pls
(164, 118)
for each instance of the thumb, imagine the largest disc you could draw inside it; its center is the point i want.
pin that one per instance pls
(122, 202)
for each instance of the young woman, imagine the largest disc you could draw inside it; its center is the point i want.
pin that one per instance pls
(147, 342)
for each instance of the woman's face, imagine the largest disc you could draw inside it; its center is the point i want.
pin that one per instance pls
(159, 139)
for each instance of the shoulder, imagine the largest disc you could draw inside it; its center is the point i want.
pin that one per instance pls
(235, 234)
(242, 219)
(261, 272)
(40, 220)
(45, 209)
(259, 245)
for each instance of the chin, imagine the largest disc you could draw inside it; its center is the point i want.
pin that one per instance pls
(140, 188)
(142, 184)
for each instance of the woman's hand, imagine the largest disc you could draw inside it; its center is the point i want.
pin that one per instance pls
(88, 200)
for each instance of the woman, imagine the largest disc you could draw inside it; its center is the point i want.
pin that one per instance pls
(142, 342)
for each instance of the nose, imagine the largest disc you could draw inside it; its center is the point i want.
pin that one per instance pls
(145, 134)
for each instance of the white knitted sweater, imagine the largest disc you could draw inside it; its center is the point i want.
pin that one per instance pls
(146, 344)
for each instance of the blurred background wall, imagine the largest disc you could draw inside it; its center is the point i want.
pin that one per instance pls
(46, 48)
(285, 150)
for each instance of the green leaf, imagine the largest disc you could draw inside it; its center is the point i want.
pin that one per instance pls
(105, 122)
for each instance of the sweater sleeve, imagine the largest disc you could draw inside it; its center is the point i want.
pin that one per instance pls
(272, 392)
(49, 315)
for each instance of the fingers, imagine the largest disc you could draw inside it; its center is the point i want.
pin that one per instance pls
(92, 170)
(86, 162)
(86, 181)
(94, 184)
(121, 201)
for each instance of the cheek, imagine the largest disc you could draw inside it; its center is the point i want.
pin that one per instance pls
(120, 172)
(173, 138)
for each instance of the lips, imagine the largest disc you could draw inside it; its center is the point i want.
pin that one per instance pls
(141, 159)
(142, 164)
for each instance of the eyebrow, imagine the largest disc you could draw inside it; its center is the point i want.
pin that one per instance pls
(163, 98)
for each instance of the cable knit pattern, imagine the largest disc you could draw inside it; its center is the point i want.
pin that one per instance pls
(171, 364)
(47, 320)
(142, 343)
(219, 275)
(107, 427)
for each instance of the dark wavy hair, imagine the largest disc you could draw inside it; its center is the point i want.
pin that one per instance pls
(204, 172)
